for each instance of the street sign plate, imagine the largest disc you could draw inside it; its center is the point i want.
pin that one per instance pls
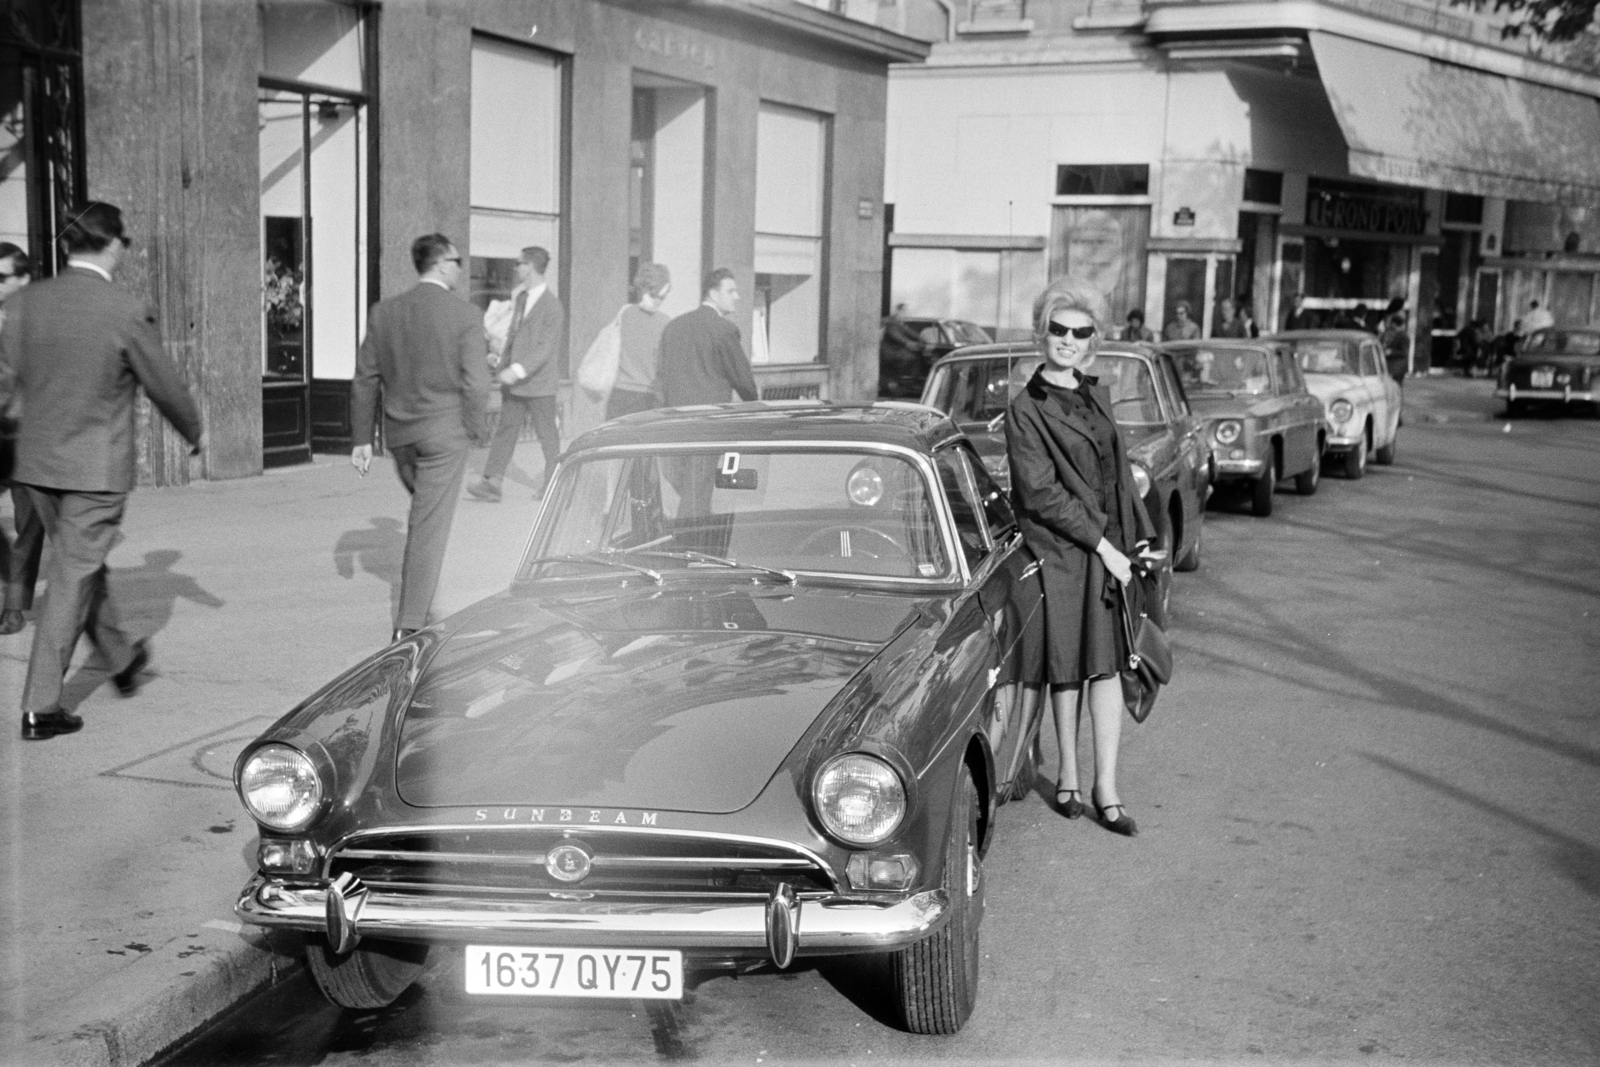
(531, 971)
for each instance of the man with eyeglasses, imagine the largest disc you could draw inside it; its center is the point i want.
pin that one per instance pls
(73, 353)
(19, 560)
(427, 351)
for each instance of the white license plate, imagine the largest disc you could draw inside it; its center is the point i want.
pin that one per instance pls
(1542, 379)
(529, 971)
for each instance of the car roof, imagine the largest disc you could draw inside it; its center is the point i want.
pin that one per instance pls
(1019, 348)
(1322, 335)
(1260, 344)
(885, 422)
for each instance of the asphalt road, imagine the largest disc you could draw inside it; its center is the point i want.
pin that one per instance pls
(1369, 808)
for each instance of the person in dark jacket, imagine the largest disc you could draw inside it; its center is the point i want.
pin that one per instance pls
(1083, 519)
(426, 350)
(19, 562)
(74, 351)
(702, 356)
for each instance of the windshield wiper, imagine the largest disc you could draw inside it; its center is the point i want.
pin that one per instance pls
(705, 557)
(599, 560)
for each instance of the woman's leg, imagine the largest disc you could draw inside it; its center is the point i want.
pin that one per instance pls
(1064, 701)
(1105, 714)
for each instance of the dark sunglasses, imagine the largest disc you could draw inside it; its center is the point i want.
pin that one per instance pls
(1056, 329)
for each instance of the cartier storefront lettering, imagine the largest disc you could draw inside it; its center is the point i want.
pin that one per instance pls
(669, 45)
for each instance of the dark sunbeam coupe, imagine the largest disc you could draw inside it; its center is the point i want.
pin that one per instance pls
(754, 694)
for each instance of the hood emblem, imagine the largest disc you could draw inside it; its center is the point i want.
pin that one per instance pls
(568, 863)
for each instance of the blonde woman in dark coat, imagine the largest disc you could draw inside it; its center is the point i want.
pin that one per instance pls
(1083, 519)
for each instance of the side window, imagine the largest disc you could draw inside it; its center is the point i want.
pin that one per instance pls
(996, 508)
(956, 477)
(1371, 360)
(1175, 385)
(1289, 380)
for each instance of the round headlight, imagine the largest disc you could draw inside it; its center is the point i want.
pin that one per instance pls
(1341, 410)
(280, 788)
(1228, 431)
(865, 486)
(860, 799)
(1141, 480)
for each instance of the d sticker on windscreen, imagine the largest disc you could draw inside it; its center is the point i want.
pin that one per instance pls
(729, 476)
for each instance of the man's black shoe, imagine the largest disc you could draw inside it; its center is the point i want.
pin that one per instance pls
(127, 680)
(41, 726)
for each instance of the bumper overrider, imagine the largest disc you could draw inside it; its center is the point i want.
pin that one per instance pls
(782, 927)
(1566, 394)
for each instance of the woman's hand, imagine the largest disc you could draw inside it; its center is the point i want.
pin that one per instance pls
(1119, 566)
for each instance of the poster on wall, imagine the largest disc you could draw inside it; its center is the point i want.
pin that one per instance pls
(1104, 247)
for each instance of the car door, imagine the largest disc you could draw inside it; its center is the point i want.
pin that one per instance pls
(1385, 393)
(1193, 450)
(1299, 434)
(1008, 585)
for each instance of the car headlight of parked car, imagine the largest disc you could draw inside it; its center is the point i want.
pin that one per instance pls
(859, 799)
(1341, 410)
(280, 788)
(1141, 480)
(1228, 431)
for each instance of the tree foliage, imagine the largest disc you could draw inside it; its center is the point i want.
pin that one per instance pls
(1553, 21)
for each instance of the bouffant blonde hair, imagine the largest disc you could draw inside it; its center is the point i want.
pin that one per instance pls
(1069, 295)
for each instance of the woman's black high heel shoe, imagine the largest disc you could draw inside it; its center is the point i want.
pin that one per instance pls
(1073, 807)
(1123, 824)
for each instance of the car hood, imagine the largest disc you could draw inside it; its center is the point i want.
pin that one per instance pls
(676, 699)
(1226, 407)
(1564, 360)
(1326, 387)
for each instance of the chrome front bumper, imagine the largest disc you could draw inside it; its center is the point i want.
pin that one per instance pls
(1240, 468)
(779, 928)
(1566, 394)
(1338, 444)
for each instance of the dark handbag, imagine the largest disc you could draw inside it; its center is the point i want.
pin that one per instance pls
(1149, 652)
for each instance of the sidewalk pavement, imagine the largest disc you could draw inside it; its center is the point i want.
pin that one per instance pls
(125, 843)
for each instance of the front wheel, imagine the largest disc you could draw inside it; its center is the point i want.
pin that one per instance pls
(1385, 455)
(1305, 483)
(1355, 461)
(1190, 560)
(935, 980)
(372, 975)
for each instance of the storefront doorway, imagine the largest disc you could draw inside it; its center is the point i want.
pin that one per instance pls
(316, 263)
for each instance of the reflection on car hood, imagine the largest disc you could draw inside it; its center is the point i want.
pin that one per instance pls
(682, 699)
(1326, 387)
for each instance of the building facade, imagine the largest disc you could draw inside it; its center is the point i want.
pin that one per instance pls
(277, 157)
(1344, 152)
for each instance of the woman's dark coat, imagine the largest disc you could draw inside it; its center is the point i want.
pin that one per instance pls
(1057, 490)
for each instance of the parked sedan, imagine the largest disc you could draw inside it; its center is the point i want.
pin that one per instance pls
(1165, 440)
(1264, 423)
(1560, 366)
(1346, 371)
(902, 370)
(748, 698)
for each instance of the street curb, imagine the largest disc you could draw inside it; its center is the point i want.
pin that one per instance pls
(161, 998)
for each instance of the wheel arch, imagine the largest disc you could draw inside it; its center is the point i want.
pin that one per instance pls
(979, 760)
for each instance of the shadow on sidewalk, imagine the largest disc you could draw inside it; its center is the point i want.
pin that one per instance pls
(378, 551)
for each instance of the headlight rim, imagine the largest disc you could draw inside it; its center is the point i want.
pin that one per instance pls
(1228, 431)
(1341, 410)
(1143, 480)
(820, 810)
(314, 810)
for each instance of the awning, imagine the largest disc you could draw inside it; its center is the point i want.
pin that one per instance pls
(1417, 121)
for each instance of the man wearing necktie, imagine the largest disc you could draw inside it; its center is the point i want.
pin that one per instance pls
(529, 376)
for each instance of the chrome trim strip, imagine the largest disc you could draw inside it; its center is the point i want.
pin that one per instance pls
(502, 860)
(573, 831)
(578, 890)
(824, 926)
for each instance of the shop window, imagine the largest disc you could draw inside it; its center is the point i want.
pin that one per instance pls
(791, 157)
(516, 163)
(317, 42)
(993, 290)
(1463, 208)
(1263, 186)
(1104, 247)
(41, 148)
(1103, 179)
(667, 183)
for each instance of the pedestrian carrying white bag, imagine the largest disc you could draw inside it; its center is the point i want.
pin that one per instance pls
(597, 373)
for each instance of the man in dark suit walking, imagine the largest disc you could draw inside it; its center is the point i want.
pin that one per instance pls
(73, 352)
(530, 374)
(426, 348)
(702, 356)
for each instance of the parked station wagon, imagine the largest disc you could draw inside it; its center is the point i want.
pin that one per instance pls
(1560, 366)
(1263, 422)
(1347, 372)
(1166, 441)
(752, 695)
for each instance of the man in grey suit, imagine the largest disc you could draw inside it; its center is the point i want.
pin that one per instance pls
(530, 374)
(73, 352)
(426, 348)
(702, 357)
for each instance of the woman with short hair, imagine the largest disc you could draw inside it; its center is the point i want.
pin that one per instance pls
(1083, 519)
(641, 324)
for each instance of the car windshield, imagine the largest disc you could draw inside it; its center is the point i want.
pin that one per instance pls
(845, 511)
(967, 333)
(1567, 342)
(1223, 370)
(1326, 357)
(977, 390)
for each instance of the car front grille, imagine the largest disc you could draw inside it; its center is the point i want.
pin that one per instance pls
(1545, 376)
(511, 862)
